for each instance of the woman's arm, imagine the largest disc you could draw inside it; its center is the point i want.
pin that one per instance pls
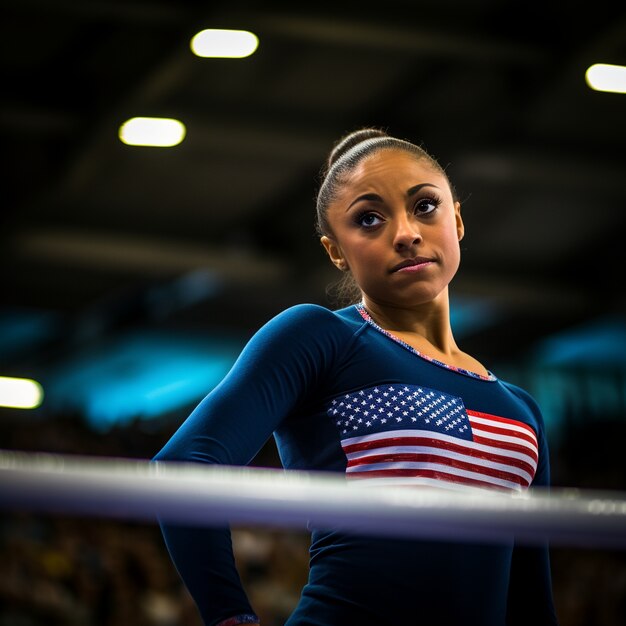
(530, 599)
(276, 370)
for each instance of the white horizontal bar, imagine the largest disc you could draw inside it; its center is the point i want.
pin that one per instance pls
(218, 495)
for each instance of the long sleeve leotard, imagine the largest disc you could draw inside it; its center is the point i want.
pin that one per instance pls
(340, 394)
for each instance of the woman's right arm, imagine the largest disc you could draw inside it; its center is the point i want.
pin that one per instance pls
(229, 426)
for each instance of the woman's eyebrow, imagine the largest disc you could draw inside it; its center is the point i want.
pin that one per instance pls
(415, 189)
(366, 196)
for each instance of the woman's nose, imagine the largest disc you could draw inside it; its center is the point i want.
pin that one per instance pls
(407, 234)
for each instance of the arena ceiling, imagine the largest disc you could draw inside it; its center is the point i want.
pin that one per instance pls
(217, 232)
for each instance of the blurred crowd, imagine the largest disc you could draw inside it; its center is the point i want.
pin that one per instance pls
(76, 571)
(88, 571)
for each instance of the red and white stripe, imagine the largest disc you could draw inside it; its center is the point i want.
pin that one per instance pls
(502, 455)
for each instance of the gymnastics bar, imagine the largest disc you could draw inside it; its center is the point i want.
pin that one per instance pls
(199, 494)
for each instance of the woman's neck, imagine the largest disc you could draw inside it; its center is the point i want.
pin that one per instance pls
(430, 322)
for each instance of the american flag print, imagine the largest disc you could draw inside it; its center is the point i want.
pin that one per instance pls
(413, 435)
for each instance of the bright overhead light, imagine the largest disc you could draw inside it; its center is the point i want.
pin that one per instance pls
(20, 393)
(606, 77)
(160, 132)
(231, 44)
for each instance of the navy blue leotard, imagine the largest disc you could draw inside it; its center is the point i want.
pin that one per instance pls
(340, 394)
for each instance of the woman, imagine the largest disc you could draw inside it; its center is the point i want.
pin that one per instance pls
(380, 392)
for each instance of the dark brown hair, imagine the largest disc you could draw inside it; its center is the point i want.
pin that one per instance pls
(347, 153)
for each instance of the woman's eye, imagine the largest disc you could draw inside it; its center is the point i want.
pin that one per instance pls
(426, 205)
(368, 220)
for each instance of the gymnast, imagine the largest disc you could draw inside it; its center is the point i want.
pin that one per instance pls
(376, 390)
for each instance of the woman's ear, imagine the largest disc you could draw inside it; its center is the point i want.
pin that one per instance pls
(334, 253)
(460, 227)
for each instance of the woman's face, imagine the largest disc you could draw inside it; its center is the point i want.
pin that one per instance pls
(397, 229)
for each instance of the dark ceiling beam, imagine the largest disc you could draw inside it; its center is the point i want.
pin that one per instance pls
(541, 166)
(356, 34)
(98, 10)
(145, 256)
(31, 119)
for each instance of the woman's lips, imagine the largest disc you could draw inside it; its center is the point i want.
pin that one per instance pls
(412, 265)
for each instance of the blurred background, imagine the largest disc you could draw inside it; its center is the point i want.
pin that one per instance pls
(132, 275)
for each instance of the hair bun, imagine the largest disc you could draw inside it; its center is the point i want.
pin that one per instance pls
(350, 140)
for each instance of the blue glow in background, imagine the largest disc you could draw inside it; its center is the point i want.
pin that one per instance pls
(144, 374)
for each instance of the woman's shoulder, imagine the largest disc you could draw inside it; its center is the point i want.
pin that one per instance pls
(304, 328)
(524, 396)
(518, 391)
(311, 313)
(305, 321)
